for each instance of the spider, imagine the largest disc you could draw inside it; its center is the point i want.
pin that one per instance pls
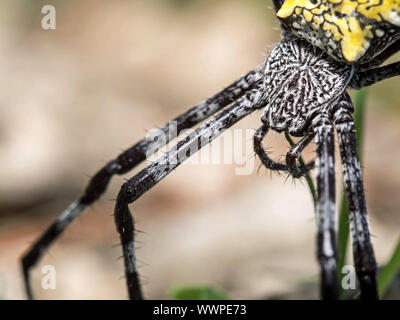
(327, 47)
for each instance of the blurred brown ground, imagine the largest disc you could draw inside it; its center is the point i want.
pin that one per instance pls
(74, 97)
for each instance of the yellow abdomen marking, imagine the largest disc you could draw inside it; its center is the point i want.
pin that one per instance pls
(349, 30)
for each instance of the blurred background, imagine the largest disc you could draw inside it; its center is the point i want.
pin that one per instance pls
(75, 97)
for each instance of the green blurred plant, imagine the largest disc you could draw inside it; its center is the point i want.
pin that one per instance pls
(197, 292)
(389, 272)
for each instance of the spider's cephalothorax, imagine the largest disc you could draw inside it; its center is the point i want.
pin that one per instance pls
(302, 90)
(301, 83)
(351, 31)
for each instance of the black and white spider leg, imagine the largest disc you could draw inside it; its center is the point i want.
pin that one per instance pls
(326, 208)
(131, 158)
(150, 176)
(381, 57)
(262, 154)
(364, 258)
(294, 153)
(372, 76)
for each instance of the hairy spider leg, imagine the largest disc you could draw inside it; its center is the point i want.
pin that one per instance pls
(381, 57)
(128, 160)
(326, 209)
(363, 252)
(369, 77)
(295, 171)
(150, 176)
(294, 153)
(262, 154)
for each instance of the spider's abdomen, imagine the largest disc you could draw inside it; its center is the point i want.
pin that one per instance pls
(301, 82)
(350, 31)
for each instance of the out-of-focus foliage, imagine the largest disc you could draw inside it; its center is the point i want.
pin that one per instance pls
(388, 274)
(197, 293)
